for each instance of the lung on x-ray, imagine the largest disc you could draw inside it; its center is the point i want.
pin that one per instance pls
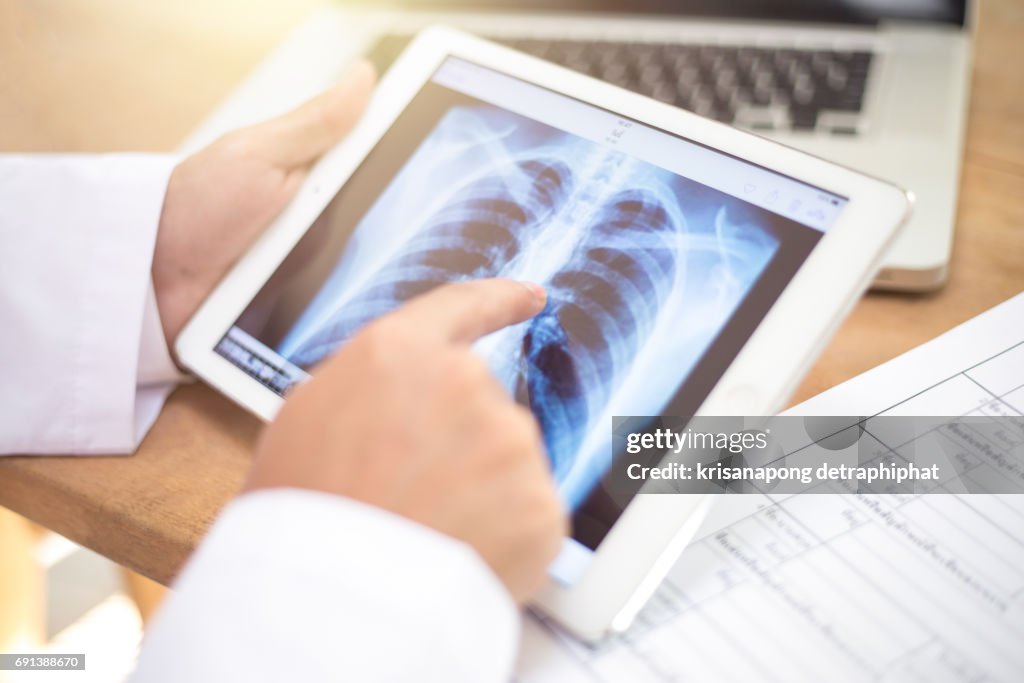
(643, 268)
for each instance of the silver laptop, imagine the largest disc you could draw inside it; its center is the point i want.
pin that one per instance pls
(877, 85)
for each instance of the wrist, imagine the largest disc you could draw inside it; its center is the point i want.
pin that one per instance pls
(175, 289)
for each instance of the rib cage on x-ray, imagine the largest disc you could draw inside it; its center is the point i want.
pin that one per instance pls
(603, 298)
(475, 235)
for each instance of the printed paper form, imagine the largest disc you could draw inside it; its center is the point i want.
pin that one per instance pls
(844, 588)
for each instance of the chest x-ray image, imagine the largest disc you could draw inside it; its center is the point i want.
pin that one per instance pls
(642, 267)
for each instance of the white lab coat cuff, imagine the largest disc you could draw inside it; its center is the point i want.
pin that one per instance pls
(117, 293)
(79, 233)
(396, 600)
(156, 374)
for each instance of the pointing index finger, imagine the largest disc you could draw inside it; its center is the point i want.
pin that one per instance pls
(465, 311)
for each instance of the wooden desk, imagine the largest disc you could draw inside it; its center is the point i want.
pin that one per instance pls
(94, 75)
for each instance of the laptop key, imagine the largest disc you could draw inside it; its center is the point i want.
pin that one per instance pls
(803, 118)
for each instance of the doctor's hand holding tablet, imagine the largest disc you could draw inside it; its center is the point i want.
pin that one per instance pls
(221, 198)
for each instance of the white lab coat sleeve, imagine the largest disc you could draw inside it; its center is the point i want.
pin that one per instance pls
(84, 363)
(300, 586)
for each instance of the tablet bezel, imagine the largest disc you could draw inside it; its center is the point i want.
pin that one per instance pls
(639, 549)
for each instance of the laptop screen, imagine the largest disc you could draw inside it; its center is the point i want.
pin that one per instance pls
(842, 11)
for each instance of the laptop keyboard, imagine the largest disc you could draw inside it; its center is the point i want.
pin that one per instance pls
(760, 88)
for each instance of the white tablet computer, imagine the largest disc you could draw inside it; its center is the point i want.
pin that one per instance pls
(691, 269)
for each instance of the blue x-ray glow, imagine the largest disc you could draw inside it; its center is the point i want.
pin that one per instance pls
(643, 269)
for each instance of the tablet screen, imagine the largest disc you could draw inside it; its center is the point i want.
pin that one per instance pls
(660, 257)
